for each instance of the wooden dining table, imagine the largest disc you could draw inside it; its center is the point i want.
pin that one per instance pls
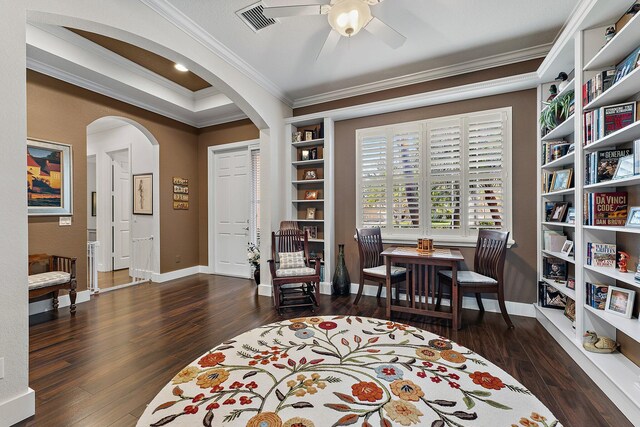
(421, 281)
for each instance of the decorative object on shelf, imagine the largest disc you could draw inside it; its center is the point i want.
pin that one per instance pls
(341, 280)
(558, 110)
(553, 92)
(180, 193)
(49, 180)
(562, 78)
(143, 194)
(308, 135)
(550, 297)
(296, 137)
(304, 155)
(310, 174)
(567, 247)
(595, 344)
(558, 211)
(622, 262)
(571, 215)
(94, 203)
(571, 283)
(253, 256)
(311, 213)
(552, 240)
(620, 301)
(609, 33)
(633, 219)
(311, 230)
(570, 310)
(311, 195)
(625, 168)
(554, 269)
(561, 179)
(313, 153)
(628, 15)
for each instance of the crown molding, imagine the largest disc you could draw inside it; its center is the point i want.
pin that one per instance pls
(57, 73)
(428, 75)
(453, 94)
(205, 93)
(127, 65)
(221, 119)
(190, 27)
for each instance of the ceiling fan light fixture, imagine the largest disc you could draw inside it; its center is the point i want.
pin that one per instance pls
(348, 17)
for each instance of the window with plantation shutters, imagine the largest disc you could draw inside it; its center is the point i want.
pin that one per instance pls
(254, 221)
(445, 178)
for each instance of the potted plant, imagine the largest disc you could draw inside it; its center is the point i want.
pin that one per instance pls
(558, 110)
(253, 255)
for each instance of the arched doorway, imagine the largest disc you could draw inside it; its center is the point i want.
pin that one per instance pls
(124, 158)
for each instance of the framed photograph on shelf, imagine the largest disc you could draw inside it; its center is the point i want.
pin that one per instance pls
(311, 230)
(49, 180)
(548, 208)
(633, 219)
(311, 195)
(571, 283)
(551, 297)
(311, 213)
(296, 137)
(143, 194)
(313, 153)
(625, 167)
(310, 174)
(558, 212)
(304, 155)
(561, 180)
(554, 269)
(570, 309)
(620, 301)
(571, 215)
(308, 135)
(567, 247)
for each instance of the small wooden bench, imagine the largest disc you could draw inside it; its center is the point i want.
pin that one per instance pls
(60, 274)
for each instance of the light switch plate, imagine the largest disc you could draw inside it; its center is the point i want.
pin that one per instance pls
(1, 368)
(64, 221)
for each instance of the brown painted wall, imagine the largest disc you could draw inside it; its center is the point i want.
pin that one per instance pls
(243, 130)
(60, 112)
(521, 259)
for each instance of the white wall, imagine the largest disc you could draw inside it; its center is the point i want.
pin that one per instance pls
(17, 401)
(144, 159)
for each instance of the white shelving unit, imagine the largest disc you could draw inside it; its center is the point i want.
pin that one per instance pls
(586, 50)
(296, 204)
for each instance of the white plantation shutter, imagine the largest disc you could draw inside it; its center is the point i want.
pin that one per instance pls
(445, 175)
(254, 221)
(373, 181)
(486, 172)
(406, 178)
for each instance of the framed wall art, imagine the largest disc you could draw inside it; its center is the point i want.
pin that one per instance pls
(143, 194)
(49, 178)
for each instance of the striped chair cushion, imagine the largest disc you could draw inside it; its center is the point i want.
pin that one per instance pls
(381, 270)
(294, 272)
(291, 260)
(51, 278)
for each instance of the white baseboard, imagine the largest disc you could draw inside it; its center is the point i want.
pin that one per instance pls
(63, 301)
(490, 305)
(177, 274)
(17, 409)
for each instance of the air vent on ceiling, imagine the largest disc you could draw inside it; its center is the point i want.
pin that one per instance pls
(252, 16)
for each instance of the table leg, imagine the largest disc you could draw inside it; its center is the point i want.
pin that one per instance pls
(388, 298)
(454, 296)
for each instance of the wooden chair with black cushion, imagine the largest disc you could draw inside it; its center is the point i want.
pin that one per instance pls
(488, 272)
(60, 274)
(289, 265)
(372, 266)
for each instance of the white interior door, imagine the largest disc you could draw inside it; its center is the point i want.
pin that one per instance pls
(121, 200)
(232, 194)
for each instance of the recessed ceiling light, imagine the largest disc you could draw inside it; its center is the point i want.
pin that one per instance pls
(181, 67)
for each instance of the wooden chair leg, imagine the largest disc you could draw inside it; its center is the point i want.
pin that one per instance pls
(439, 300)
(72, 297)
(380, 291)
(360, 289)
(479, 300)
(460, 295)
(503, 308)
(276, 297)
(55, 300)
(316, 285)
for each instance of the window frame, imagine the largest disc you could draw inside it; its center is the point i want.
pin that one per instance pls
(466, 236)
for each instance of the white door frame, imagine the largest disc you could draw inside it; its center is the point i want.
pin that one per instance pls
(211, 213)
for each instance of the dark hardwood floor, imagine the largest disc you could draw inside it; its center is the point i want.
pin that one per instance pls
(103, 366)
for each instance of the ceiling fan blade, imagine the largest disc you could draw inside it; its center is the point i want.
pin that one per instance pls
(329, 44)
(385, 33)
(288, 11)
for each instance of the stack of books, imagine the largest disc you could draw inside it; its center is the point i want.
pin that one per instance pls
(600, 166)
(553, 150)
(603, 121)
(601, 254)
(597, 295)
(597, 85)
(605, 209)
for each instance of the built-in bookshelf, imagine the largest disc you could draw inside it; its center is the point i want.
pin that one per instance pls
(310, 174)
(598, 82)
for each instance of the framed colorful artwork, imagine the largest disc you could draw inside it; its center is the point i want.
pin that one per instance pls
(49, 178)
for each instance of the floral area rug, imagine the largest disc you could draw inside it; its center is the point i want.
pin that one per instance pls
(340, 371)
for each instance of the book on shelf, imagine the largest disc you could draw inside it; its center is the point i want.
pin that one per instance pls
(555, 269)
(601, 254)
(553, 150)
(550, 297)
(597, 85)
(600, 166)
(596, 295)
(553, 240)
(606, 120)
(627, 65)
(605, 209)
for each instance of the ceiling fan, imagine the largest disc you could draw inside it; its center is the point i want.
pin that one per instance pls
(346, 17)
